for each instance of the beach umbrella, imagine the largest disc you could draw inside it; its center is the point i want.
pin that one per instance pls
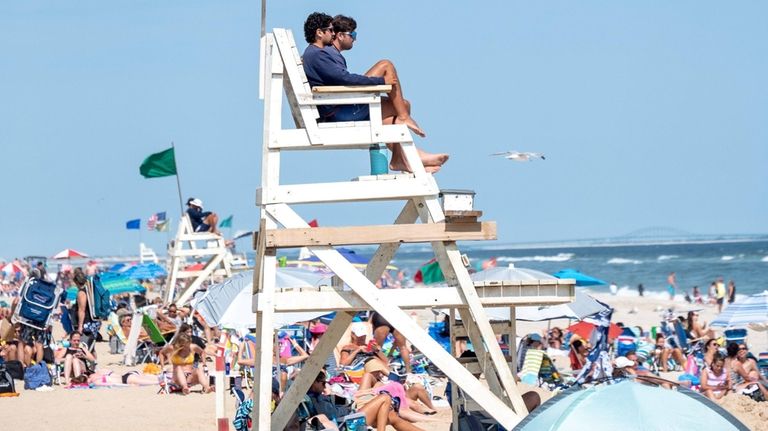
(501, 273)
(11, 268)
(752, 309)
(148, 270)
(581, 278)
(630, 406)
(582, 306)
(115, 283)
(584, 330)
(229, 303)
(68, 253)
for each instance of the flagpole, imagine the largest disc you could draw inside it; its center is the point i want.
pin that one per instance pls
(178, 182)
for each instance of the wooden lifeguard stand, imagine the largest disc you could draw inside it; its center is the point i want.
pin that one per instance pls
(282, 227)
(213, 253)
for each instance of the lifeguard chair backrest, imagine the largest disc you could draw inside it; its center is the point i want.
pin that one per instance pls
(297, 87)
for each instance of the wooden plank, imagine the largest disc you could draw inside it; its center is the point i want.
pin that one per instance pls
(418, 298)
(347, 191)
(355, 135)
(378, 234)
(461, 214)
(384, 88)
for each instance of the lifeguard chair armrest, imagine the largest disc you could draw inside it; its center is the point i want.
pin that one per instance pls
(352, 89)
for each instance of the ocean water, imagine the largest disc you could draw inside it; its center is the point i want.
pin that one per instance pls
(746, 263)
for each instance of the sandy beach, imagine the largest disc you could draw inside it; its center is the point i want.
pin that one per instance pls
(142, 408)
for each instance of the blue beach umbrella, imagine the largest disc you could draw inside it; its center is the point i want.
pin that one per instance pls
(581, 278)
(630, 406)
(114, 283)
(145, 271)
(752, 309)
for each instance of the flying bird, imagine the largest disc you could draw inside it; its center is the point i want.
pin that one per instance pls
(520, 156)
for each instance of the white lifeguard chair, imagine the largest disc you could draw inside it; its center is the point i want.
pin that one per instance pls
(213, 255)
(146, 254)
(282, 227)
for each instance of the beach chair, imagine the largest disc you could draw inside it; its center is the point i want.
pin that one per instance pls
(148, 350)
(626, 342)
(66, 320)
(737, 336)
(38, 300)
(762, 364)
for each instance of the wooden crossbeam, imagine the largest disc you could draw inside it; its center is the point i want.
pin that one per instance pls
(347, 191)
(385, 88)
(418, 298)
(351, 235)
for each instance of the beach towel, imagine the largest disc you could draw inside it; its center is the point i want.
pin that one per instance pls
(531, 366)
(242, 420)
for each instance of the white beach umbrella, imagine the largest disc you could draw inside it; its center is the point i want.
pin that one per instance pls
(750, 310)
(228, 304)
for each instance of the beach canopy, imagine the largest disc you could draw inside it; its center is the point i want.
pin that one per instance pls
(228, 304)
(147, 270)
(750, 310)
(68, 253)
(630, 406)
(501, 273)
(581, 278)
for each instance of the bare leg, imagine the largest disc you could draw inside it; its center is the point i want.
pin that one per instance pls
(380, 334)
(401, 424)
(405, 352)
(199, 376)
(143, 379)
(677, 354)
(78, 367)
(664, 360)
(431, 162)
(386, 70)
(418, 392)
(376, 411)
(180, 379)
(67, 368)
(213, 221)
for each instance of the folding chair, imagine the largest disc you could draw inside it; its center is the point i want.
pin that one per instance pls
(737, 336)
(150, 348)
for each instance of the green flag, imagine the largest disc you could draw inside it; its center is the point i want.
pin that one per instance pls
(227, 222)
(430, 273)
(162, 164)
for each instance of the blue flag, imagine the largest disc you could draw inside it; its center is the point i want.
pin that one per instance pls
(133, 224)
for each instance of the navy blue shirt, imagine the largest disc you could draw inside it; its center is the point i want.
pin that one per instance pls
(197, 216)
(327, 66)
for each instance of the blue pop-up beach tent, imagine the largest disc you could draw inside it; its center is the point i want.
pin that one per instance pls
(630, 406)
(581, 278)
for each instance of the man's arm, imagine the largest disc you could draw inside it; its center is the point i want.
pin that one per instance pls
(332, 72)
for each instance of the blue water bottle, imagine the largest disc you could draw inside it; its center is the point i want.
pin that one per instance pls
(379, 162)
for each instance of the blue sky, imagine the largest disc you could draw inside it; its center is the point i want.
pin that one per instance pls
(650, 113)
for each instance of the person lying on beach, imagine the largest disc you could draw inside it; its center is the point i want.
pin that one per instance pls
(181, 354)
(75, 357)
(380, 410)
(715, 382)
(742, 370)
(202, 221)
(555, 338)
(130, 378)
(324, 65)
(415, 403)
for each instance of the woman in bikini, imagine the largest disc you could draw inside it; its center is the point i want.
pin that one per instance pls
(181, 353)
(357, 347)
(131, 378)
(414, 403)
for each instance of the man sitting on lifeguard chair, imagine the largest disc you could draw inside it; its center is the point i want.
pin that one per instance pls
(202, 221)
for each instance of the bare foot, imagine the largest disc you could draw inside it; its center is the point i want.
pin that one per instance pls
(402, 167)
(411, 124)
(429, 159)
(431, 169)
(185, 391)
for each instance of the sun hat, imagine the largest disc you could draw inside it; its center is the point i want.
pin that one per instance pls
(376, 365)
(196, 202)
(123, 312)
(318, 329)
(359, 329)
(623, 362)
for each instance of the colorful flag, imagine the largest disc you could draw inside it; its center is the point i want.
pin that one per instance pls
(313, 223)
(133, 224)
(162, 164)
(429, 273)
(151, 222)
(227, 222)
(156, 221)
(162, 226)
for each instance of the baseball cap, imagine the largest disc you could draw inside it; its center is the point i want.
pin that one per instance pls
(534, 337)
(359, 329)
(623, 362)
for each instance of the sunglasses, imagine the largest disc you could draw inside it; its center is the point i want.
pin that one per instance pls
(743, 348)
(352, 34)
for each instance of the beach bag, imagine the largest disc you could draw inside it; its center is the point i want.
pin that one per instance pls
(15, 369)
(36, 376)
(7, 385)
(102, 306)
(469, 422)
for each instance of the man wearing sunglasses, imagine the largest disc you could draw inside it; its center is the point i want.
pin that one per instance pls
(324, 65)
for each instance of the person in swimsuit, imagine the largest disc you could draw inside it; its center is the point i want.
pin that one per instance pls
(381, 329)
(358, 348)
(131, 378)
(74, 357)
(181, 354)
(715, 382)
(742, 370)
(413, 403)
(671, 285)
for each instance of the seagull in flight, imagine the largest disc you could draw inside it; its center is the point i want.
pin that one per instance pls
(520, 156)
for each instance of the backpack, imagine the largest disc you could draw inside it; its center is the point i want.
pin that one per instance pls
(36, 376)
(101, 303)
(7, 385)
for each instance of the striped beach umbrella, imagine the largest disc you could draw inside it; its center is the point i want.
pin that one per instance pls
(69, 253)
(752, 309)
